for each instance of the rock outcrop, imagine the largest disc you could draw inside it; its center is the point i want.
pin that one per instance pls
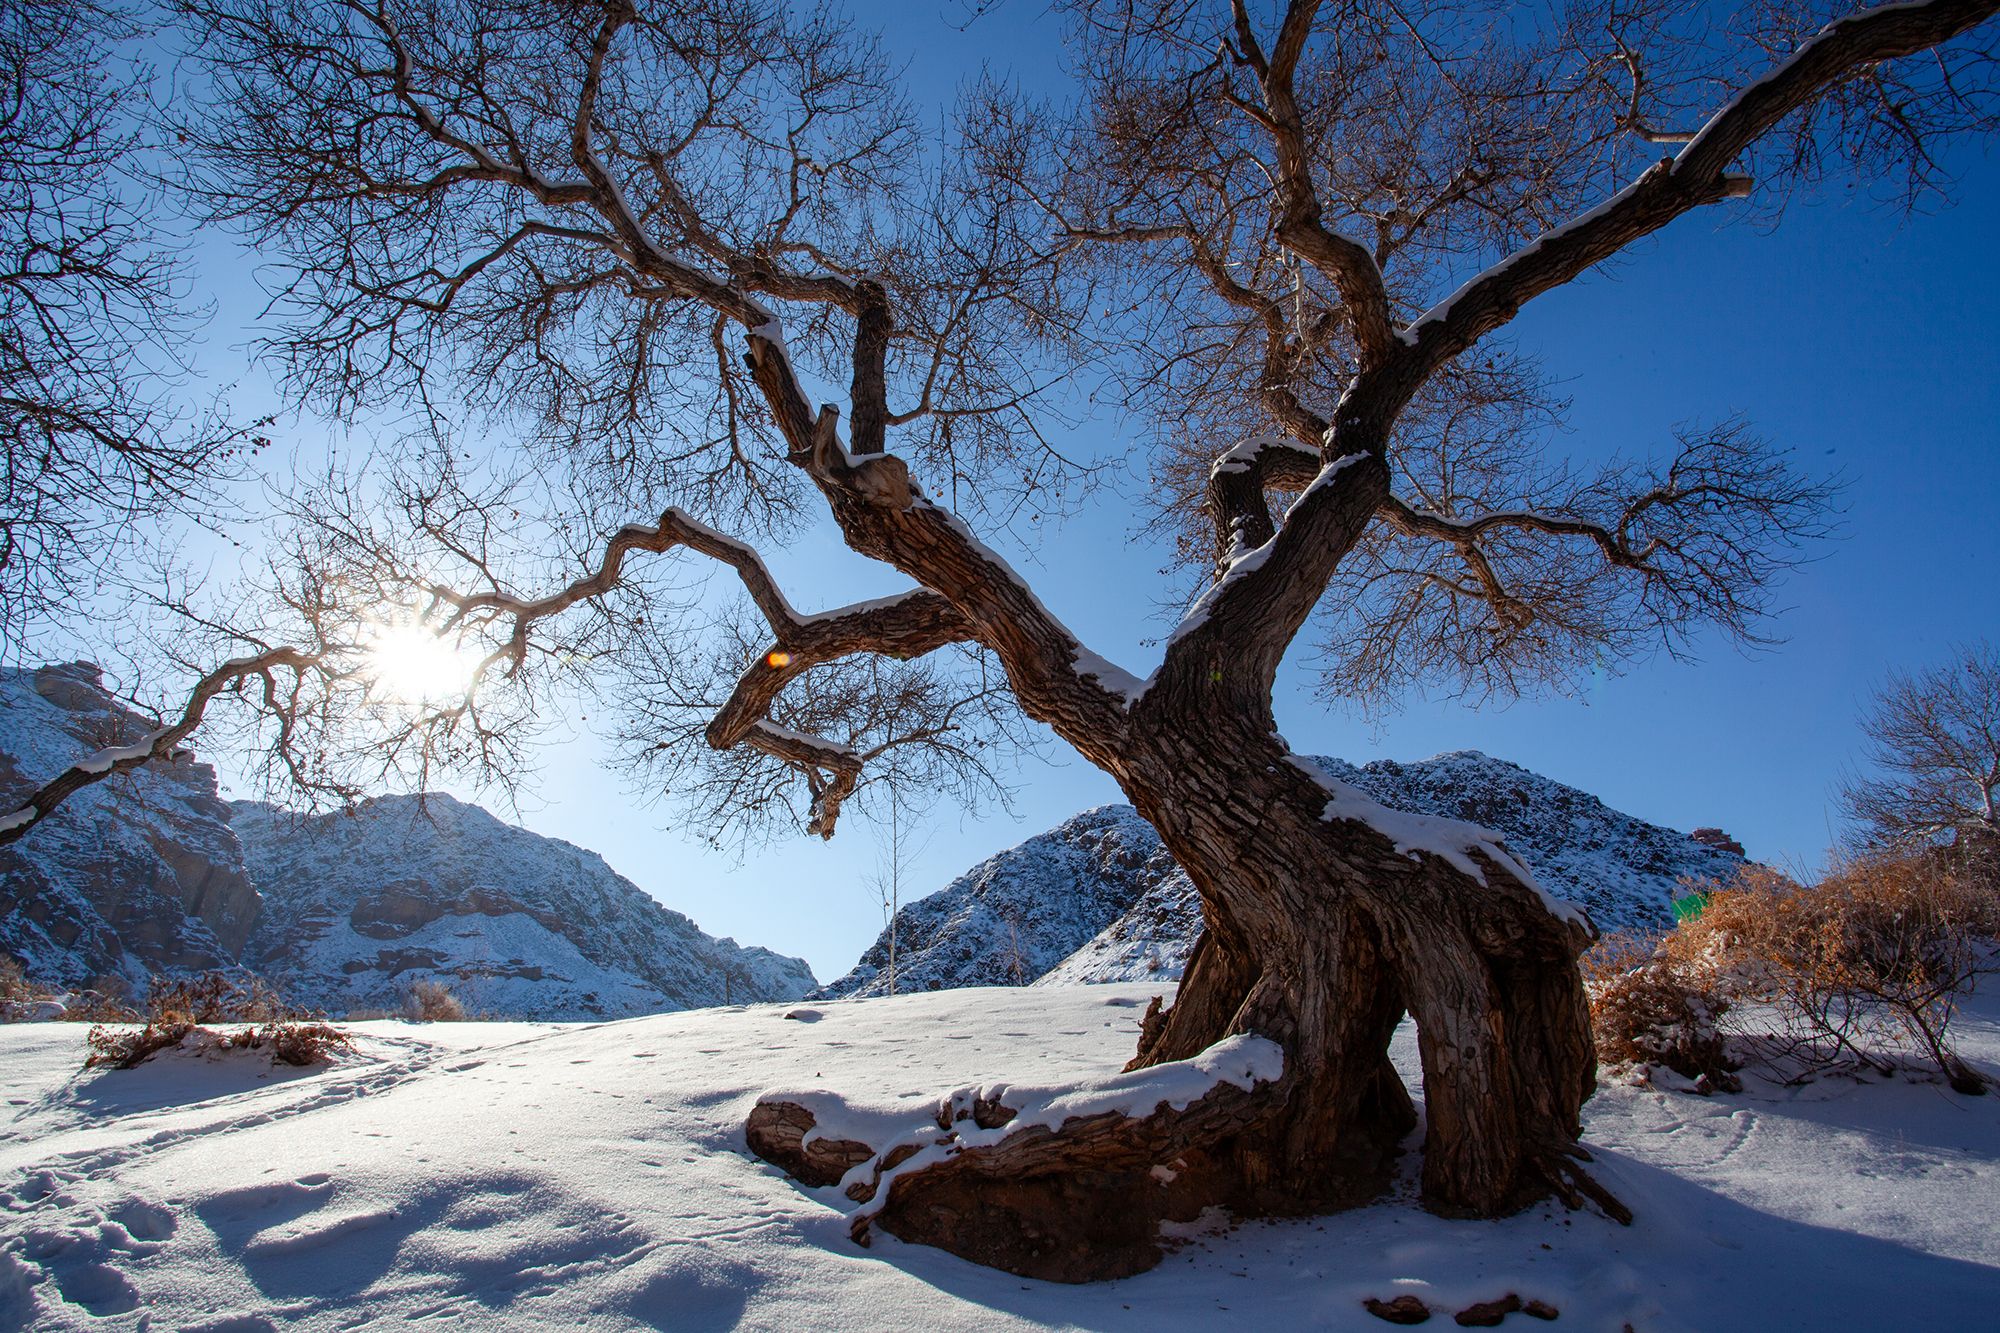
(152, 873)
(361, 904)
(1014, 916)
(129, 878)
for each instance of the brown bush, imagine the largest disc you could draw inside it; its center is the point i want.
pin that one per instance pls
(22, 999)
(179, 1010)
(291, 1043)
(1867, 965)
(214, 997)
(1651, 1005)
(1870, 962)
(1977, 861)
(107, 1005)
(300, 1043)
(432, 1002)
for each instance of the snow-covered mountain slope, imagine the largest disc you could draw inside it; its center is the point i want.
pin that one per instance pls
(505, 1176)
(152, 872)
(1624, 871)
(1013, 916)
(1151, 938)
(358, 905)
(1141, 921)
(132, 877)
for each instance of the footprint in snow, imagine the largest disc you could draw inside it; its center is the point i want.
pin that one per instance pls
(234, 1323)
(292, 1239)
(98, 1288)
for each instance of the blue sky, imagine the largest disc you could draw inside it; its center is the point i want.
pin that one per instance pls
(1861, 338)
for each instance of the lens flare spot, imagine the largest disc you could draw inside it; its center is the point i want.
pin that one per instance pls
(776, 658)
(412, 665)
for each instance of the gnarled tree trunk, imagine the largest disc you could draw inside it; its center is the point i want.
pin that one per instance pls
(1321, 933)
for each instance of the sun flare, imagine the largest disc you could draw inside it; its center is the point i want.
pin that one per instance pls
(411, 664)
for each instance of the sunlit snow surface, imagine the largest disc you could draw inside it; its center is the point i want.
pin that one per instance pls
(593, 1177)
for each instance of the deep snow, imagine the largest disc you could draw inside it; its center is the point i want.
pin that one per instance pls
(593, 1177)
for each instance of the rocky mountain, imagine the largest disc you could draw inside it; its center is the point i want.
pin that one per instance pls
(1140, 921)
(360, 904)
(1014, 916)
(128, 878)
(153, 874)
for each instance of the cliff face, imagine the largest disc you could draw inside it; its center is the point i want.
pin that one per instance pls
(151, 873)
(1139, 919)
(1014, 916)
(360, 904)
(128, 878)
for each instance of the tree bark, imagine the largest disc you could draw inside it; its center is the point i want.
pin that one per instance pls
(1320, 935)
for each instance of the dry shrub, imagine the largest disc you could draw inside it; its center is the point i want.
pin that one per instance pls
(300, 1043)
(214, 997)
(1978, 864)
(1869, 963)
(178, 1011)
(23, 1000)
(1867, 966)
(431, 1002)
(1651, 1003)
(123, 1048)
(103, 1004)
(286, 1042)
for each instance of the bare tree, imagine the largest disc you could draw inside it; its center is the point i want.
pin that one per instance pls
(641, 231)
(894, 854)
(94, 317)
(1934, 742)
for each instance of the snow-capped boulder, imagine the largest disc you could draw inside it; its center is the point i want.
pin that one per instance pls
(135, 876)
(1624, 871)
(362, 904)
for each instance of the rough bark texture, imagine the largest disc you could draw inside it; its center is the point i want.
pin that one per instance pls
(776, 1132)
(1320, 935)
(1320, 932)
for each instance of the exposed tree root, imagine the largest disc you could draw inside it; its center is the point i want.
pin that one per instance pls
(1572, 1184)
(1082, 1199)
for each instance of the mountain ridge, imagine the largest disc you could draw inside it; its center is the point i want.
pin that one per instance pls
(1142, 924)
(347, 926)
(154, 873)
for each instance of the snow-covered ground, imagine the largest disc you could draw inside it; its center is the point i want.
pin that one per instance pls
(594, 1177)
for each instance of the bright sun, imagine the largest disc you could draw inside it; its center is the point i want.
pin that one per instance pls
(413, 665)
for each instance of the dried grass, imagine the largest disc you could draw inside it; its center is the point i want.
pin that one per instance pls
(23, 1000)
(215, 997)
(1652, 1006)
(286, 1042)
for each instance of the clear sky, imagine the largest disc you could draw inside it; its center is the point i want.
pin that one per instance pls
(1861, 338)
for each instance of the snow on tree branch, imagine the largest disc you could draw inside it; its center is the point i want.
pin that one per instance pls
(264, 667)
